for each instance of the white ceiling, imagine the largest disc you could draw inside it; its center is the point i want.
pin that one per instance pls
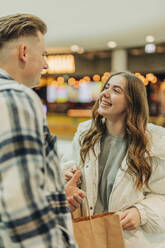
(92, 23)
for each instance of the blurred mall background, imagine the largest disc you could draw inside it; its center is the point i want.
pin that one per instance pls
(86, 41)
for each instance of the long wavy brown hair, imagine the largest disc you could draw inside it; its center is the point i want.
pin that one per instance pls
(137, 116)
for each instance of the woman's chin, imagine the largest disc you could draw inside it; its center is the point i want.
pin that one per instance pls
(102, 113)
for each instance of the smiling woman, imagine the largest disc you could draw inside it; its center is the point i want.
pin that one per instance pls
(112, 100)
(122, 167)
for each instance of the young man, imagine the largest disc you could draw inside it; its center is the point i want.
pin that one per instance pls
(33, 205)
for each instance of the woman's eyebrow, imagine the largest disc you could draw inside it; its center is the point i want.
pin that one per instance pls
(113, 86)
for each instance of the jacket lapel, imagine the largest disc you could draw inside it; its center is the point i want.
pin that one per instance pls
(121, 172)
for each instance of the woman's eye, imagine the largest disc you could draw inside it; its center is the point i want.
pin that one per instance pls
(117, 90)
(106, 87)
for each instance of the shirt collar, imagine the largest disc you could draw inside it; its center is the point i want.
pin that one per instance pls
(5, 75)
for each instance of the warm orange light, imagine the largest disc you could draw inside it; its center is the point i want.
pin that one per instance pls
(79, 113)
(86, 79)
(49, 80)
(104, 79)
(154, 80)
(145, 82)
(76, 84)
(139, 75)
(60, 79)
(71, 81)
(151, 77)
(96, 77)
(43, 82)
(107, 74)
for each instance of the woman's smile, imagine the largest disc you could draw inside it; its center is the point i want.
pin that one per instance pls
(104, 102)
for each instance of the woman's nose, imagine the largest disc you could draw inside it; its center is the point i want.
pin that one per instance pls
(106, 93)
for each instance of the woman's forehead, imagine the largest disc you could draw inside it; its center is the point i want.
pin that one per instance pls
(117, 80)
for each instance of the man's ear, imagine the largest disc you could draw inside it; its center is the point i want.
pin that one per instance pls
(22, 52)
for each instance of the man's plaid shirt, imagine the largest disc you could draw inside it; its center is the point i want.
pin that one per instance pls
(33, 204)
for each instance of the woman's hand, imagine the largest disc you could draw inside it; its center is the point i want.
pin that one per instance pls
(130, 219)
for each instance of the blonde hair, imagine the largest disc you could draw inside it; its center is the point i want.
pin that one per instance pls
(19, 25)
(135, 132)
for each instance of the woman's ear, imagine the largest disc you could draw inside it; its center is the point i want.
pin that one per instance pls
(22, 52)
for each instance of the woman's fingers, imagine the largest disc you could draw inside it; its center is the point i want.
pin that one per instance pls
(130, 219)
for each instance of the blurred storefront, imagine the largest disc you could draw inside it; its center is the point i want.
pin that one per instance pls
(71, 86)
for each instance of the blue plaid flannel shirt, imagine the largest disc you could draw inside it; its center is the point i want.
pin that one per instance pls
(33, 206)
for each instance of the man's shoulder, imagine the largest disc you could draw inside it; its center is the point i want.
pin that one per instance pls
(19, 89)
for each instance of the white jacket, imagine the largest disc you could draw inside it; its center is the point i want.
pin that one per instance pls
(151, 204)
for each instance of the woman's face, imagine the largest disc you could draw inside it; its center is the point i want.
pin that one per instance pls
(112, 100)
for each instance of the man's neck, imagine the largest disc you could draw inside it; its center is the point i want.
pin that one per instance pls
(12, 72)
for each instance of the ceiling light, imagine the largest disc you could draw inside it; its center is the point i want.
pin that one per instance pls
(136, 51)
(75, 48)
(111, 44)
(150, 38)
(150, 48)
(80, 50)
(61, 64)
